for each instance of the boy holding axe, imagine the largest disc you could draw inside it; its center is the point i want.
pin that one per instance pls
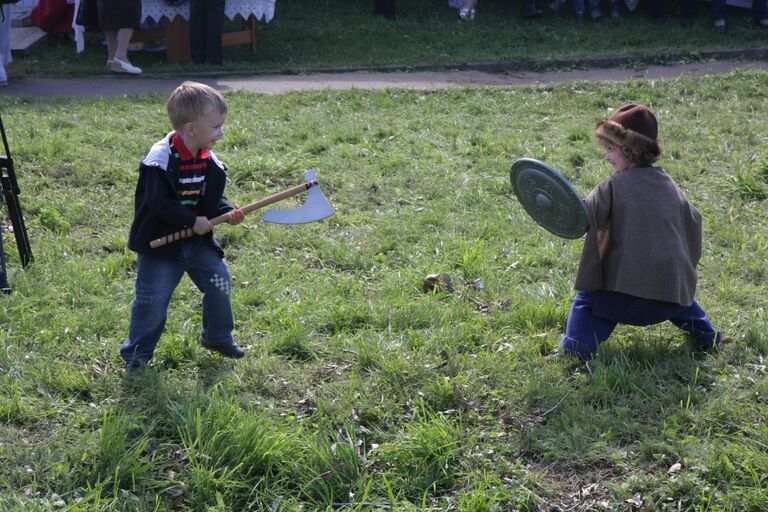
(181, 185)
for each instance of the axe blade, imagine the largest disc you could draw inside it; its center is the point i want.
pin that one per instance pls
(315, 208)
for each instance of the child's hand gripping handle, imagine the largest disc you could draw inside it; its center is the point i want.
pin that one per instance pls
(188, 232)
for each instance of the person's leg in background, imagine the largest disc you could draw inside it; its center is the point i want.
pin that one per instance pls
(656, 11)
(595, 12)
(206, 25)
(578, 11)
(687, 12)
(116, 19)
(469, 10)
(5, 42)
(117, 44)
(760, 12)
(197, 35)
(614, 8)
(384, 8)
(718, 15)
(531, 9)
(117, 51)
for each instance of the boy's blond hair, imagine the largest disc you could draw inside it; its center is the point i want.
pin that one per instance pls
(192, 100)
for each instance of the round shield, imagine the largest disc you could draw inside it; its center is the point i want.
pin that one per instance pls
(549, 198)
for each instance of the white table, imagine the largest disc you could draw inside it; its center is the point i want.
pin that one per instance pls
(175, 24)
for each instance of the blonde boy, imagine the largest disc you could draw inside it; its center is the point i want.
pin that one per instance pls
(180, 185)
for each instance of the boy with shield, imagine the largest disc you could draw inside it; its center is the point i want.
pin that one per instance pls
(181, 185)
(638, 264)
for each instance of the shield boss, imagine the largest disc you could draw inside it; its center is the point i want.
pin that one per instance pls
(549, 198)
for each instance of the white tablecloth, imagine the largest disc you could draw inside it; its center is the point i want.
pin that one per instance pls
(261, 9)
(156, 9)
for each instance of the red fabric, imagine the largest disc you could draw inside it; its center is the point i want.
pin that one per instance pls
(53, 15)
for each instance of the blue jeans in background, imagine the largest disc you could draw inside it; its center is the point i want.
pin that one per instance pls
(156, 280)
(576, 5)
(594, 315)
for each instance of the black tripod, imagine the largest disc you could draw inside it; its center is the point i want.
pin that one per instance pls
(10, 195)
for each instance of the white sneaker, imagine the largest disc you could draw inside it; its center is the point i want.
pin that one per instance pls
(121, 66)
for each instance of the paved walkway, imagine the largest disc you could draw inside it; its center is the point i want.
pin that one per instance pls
(114, 85)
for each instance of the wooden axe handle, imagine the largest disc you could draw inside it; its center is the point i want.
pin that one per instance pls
(188, 232)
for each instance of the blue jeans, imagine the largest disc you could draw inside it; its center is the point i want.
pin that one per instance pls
(594, 315)
(156, 280)
(578, 5)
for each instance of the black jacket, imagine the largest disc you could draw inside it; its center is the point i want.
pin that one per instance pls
(157, 207)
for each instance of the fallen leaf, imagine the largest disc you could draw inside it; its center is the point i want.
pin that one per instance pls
(175, 491)
(477, 284)
(438, 282)
(636, 500)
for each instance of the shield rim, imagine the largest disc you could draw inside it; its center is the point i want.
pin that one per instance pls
(527, 163)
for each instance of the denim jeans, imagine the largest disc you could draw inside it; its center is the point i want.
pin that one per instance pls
(578, 5)
(156, 280)
(594, 315)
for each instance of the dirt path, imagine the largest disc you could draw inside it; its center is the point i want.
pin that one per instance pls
(111, 85)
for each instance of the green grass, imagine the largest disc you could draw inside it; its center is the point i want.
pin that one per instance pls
(310, 34)
(360, 390)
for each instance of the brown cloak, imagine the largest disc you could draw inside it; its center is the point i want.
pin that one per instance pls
(644, 238)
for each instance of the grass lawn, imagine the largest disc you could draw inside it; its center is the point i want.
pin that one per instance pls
(361, 390)
(311, 34)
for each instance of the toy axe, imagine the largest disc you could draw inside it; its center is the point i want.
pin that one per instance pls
(315, 208)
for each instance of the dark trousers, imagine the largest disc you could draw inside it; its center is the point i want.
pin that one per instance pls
(384, 8)
(206, 24)
(759, 9)
(687, 8)
(594, 316)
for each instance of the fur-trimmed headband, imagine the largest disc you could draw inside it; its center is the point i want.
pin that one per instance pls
(635, 128)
